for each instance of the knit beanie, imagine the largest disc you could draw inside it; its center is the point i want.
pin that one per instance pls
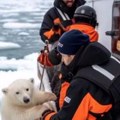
(71, 41)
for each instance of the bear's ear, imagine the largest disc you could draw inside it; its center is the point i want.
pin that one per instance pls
(31, 80)
(5, 90)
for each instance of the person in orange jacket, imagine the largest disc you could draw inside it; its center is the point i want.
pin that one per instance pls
(58, 17)
(86, 21)
(55, 23)
(81, 99)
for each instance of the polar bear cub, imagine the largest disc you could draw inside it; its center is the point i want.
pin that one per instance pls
(22, 101)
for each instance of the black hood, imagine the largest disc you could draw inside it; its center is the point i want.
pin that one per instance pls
(70, 11)
(93, 53)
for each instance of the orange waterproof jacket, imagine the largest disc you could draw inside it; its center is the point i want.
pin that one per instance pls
(59, 13)
(50, 28)
(87, 29)
(78, 104)
(80, 99)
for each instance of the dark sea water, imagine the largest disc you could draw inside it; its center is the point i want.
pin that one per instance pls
(20, 23)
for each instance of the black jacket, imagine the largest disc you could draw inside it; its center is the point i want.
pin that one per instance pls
(47, 27)
(84, 100)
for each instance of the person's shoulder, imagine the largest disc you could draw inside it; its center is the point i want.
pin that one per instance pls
(51, 13)
(51, 10)
(79, 82)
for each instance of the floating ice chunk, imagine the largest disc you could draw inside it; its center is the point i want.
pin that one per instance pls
(8, 45)
(20, 25)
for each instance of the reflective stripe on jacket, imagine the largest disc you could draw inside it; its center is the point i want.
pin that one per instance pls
(77, 100)
(81, 98)
(53, 17)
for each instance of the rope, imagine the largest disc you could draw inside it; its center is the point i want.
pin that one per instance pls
(46, 50)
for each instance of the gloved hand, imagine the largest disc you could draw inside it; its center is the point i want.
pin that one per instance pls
(40, 111)
(56, 27)
(43, 58)
(48, 111)
(49, 58)
(54, 57)
(67, 23)
(62, 26)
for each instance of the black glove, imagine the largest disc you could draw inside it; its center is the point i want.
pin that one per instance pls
(62, 25)
(54, 57)
(45, 113)
(56, 27)
(67, 23)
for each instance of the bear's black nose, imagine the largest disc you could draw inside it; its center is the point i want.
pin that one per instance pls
(26, 100)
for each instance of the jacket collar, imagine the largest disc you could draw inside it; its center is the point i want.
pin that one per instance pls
(93, 53)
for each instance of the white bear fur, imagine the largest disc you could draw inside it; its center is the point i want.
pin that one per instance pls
(23, 101)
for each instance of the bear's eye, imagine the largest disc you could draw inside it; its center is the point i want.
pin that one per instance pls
(17, 93)
(27, 89)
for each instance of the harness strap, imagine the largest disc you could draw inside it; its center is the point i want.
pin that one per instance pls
(63, 15)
